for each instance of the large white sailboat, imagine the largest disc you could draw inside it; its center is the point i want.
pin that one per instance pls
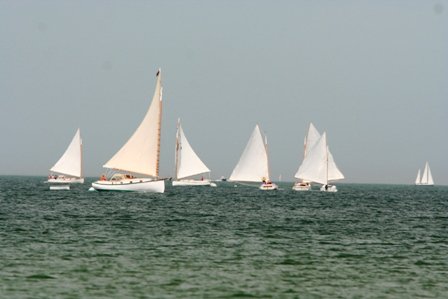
(137, 162)
(426, 179)
(188, 164)
(311, 139)
(253, 165)
(319, 166)
(68, 169)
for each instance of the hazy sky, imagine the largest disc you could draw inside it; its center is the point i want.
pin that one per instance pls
(372, 74)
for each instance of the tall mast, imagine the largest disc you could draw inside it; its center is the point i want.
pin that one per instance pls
(178, 145)
(159, 129)
(326, 157)
(327, 164)
(267, 155)
(80, 148)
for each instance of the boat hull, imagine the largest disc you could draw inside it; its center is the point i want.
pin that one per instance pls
(66, 180)
(135, 184)
(330, 188)
(60, 187)
(301, 187)
(269, 186)
(191, 183)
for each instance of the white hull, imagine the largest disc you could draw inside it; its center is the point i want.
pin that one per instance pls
(191, 183)
(301, 187)
(270, 186)
(136, 184)
(330, 188)
(421, 184)
(66, 180)
(60, 187)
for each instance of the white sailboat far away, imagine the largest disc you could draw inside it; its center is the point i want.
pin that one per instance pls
(188, 164)
(311, 139)
(426, 179)
(319, 166)
(137, 163)
(253, 165)
(68, 169)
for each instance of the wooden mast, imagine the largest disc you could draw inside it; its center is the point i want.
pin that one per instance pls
(80, 147)
(159, 130)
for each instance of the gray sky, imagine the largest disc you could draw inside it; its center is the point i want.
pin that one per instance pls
(372, 74)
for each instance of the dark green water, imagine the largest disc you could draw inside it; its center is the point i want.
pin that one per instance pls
(373, 241)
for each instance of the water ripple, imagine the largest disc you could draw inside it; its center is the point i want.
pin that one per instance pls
(225, 242)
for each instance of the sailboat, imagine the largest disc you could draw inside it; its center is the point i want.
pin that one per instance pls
(253, 165)
(311, 139)
(188, 163)
(137, 162)
(426, 179)
(319, 166)
(68, 169)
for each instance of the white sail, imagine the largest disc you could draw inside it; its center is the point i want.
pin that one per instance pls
(424, 179)
(334, 174)
(311, 139)
(314, 166)
(71, 161)
(418, 179)
(140, 154)
(253, 163)
(188, 162)
(319, 165)
(427, 176)
(430, 179)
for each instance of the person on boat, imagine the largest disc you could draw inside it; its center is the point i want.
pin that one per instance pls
(266, 182)
(102, 177)
(326, 187)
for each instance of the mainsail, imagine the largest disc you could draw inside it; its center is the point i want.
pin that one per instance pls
(319, 165)
(427, 176)
(418, 180)
(187, 161)
(334, 174)
(313, 167)
(140, 154)
(71, 161)
(311, 139)
(253, 163)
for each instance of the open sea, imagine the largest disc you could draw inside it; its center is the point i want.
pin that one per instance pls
(366, 241)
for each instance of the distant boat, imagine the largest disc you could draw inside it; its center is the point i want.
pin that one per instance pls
(418, 180)
(311, 139)
(188, 163)
(253, 165)
(426, 179)
(68, 169)
(319, 166)
(137, 162)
